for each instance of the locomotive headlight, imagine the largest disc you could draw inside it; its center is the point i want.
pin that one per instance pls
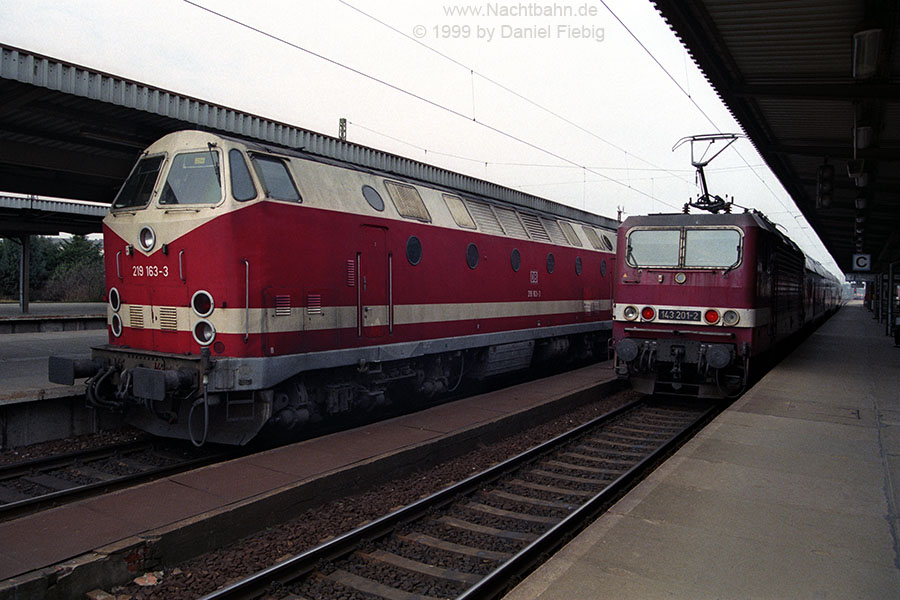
(730, 317)
(146, 238)
(116, 325)
(202, 303)
(711, 316)
(115, 301)
(647, 313)
(630, 313)
(204, 332)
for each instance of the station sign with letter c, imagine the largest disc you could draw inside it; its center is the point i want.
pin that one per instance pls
(862, 262)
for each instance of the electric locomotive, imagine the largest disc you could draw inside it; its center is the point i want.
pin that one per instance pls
(699, 295)
(255, 287)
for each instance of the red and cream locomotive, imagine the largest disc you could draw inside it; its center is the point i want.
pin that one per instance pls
(252, 285)
(700, 295)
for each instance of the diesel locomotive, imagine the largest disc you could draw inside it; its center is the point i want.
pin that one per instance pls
(699, 296)
(252, 286)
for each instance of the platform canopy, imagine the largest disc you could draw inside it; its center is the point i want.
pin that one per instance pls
(813, 83)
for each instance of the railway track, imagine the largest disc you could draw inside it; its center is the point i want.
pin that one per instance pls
(471, 540)
(37, 484)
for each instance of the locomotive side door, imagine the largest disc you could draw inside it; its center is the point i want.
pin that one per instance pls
(373, 299)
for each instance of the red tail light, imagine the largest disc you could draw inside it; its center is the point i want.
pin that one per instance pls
(711, 316)
(647, 313)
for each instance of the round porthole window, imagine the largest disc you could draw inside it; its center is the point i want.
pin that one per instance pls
(606, 242)
(578, 265)
(551, 263)
(413, 250)
(373, 197)
(515, 259)
(472, 256)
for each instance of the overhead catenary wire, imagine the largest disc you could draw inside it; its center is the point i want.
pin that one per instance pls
(417, 97)
(500, 85)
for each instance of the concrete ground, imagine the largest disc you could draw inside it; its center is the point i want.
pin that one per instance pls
(791, 493)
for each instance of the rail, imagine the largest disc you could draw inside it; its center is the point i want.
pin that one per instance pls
(508, 517)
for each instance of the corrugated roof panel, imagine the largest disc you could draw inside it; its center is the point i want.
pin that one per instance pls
(53, 74)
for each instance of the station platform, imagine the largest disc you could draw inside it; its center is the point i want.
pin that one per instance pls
(791, 493)
(103, 541)
(52, 316)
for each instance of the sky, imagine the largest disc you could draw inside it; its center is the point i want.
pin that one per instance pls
(580, 102)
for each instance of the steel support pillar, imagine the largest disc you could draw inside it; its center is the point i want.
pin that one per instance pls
(24, 271)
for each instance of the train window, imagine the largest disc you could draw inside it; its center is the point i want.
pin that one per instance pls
(515, 260)
(551, 263)
(712, 247)
(242, 187)
(592, 237)
(413, 250)
(606, 242)
(570, 233)
(373, 197)
(408, 201)
(458, 210)
(139, 186)
(603, 268)
(653, 247)
(275, 178)
(472, 256)
(193, 179)
(578, 265)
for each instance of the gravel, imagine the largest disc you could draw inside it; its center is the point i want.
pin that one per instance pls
(82, 442)
(210, 571)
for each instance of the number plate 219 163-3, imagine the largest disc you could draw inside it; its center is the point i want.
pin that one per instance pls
(679, 315)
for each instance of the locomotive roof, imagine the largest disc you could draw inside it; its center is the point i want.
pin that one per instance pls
(358, 157)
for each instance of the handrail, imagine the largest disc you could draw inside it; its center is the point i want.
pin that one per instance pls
(180, 267)
(247, 300)
(118, 268)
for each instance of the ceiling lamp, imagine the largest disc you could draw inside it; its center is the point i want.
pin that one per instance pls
(866, 48)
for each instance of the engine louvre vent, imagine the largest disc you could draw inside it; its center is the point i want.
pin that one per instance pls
(351, 273)
(283, 305)
(314, 304)
(168, 318)
(136, 315)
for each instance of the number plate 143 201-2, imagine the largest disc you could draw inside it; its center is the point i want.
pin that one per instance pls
(679, 315)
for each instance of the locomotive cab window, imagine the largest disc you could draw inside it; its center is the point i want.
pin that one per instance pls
(242, 187)
(712, 248)
(138, 188)
(691, 247)
(194, 178)
(275, 178)
(653, 247)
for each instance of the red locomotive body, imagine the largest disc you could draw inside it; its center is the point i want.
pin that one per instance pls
(699, 295)
(251, 286)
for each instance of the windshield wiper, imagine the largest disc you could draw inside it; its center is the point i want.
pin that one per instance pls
(215, 159)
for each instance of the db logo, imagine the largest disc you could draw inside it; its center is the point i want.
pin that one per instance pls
(534, 277)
